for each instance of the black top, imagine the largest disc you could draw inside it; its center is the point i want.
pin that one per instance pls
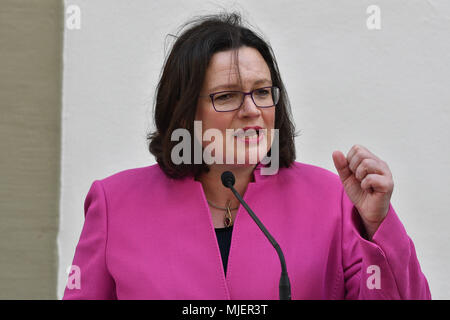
(224, 240)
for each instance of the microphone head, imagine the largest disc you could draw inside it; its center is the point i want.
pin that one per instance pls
(228, 179)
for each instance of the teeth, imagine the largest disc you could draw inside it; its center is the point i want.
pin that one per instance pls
(247, 133)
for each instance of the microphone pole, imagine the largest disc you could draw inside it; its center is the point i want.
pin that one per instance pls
(284, 286)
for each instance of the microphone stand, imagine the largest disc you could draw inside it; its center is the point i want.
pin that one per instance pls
(284, 286)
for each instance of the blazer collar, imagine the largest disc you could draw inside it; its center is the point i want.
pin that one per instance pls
(258, 177)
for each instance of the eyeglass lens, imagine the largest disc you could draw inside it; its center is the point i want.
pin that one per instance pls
(229, 100)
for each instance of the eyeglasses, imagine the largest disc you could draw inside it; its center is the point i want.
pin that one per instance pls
(225, 101)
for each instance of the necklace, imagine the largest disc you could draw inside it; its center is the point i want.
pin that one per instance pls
(228, 220)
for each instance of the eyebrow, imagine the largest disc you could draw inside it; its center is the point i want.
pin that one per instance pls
(236, 86)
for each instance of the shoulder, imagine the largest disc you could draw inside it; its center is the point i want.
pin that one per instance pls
(309, 173)
(129, 179)
(303, 178)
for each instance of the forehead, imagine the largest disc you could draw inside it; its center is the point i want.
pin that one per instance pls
(225, 68)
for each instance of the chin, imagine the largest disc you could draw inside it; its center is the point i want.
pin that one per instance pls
(247, 161)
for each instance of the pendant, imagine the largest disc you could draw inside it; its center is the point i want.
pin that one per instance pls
(228, 218)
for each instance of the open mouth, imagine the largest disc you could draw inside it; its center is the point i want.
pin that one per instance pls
(250, 134)
(248, 131)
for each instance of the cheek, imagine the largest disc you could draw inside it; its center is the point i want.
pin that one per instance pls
(269, 118)
(272, 117)
(215, 120)
(210, 119)
(199, 112)
(269, 122)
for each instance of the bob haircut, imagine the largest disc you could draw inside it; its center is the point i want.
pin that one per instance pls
(182, 80)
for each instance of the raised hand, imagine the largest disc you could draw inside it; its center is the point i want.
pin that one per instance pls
(368, 183)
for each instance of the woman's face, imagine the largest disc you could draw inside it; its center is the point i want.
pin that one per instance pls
(222, 75)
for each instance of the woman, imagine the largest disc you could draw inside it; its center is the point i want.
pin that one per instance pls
(173, 231)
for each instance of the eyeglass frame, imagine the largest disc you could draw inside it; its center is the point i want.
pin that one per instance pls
(211, 95)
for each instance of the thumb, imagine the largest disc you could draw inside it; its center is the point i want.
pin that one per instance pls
(341, 164)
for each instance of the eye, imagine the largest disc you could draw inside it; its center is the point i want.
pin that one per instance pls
(262, 92)
(225, 96)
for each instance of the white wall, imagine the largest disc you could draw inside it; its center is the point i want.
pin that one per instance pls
(386, 89)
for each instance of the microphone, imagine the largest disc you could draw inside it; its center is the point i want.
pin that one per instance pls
(285, 286)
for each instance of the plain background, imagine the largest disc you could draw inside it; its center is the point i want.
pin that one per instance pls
(386, 89)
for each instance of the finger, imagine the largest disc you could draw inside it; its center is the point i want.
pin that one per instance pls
(353, 150)
(341, 164)
(367, 166)
(357, 154)
(377, 183)
(358, 148)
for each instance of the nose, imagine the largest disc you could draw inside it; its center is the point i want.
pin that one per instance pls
(248, 108)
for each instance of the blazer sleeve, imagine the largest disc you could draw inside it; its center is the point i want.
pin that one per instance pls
(90, 279)
(385, 267)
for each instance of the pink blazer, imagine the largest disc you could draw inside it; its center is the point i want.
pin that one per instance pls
(147, 236)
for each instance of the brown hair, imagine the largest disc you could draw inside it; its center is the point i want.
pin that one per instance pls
(182, 79)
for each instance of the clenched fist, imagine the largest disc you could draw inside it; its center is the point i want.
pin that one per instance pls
(368, 183)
